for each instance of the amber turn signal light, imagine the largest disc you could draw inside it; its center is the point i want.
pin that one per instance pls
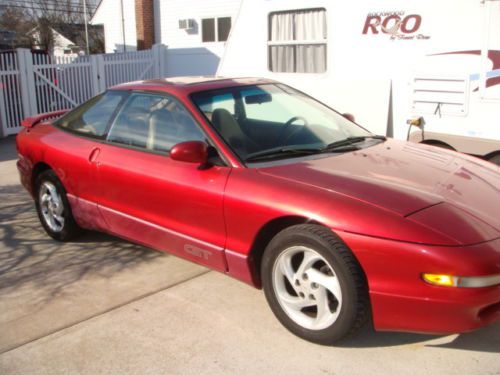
(441, 280)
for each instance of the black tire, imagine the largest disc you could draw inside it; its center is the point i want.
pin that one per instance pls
(69, 229)
(438, 144)
(355, 307)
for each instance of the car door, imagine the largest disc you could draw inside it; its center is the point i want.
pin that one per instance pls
(83, 130)
(151, 199)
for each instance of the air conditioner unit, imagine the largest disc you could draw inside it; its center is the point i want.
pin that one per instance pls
(186, 24)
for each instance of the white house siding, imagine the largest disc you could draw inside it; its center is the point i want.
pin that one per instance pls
(61, 43)
(187, 53)
(171, 11)
(109, 14)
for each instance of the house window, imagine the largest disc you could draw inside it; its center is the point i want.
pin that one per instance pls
(211, 33)
(223, 28)
(297, 41)
(208, 30)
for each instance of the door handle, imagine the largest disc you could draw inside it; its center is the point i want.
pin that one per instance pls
(94, 154)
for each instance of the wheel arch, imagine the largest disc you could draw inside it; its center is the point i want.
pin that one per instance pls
(265, 234)
(38, 168)
(492, 155)
(437, 143)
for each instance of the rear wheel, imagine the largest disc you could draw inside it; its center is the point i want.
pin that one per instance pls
(314, 284)
(53, 207)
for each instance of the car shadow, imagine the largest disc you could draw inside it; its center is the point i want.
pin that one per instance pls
(29, 257)
(8, 148)
(486, 339)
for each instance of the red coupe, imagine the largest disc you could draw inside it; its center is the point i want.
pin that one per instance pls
(257, 180)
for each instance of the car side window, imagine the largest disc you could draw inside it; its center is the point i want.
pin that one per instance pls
(154, 122)
(92, 117)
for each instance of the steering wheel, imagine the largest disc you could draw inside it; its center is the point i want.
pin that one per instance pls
(286, 129)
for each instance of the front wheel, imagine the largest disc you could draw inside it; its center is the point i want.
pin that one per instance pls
(314, 284)
(53, 207)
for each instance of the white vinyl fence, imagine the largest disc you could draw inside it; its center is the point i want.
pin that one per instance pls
(33, 83)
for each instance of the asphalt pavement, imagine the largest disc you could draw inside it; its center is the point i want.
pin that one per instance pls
(101, 305)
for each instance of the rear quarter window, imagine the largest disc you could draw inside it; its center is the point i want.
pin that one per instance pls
(92, 117)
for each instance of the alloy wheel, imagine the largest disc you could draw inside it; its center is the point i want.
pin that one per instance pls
(51, 206)
(307, 288)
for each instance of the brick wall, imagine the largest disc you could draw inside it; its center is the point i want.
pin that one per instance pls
(144, 21)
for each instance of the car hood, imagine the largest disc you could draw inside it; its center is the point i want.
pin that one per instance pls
(406, 178)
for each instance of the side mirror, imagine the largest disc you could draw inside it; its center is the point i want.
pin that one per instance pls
(349, 116)
(190, 152)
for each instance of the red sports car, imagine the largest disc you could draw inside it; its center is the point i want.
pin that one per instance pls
(255, 179)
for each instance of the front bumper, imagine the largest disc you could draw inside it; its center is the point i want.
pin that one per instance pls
(462, 312)
(402, 301)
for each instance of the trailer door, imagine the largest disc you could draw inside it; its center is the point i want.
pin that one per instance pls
(489, 77)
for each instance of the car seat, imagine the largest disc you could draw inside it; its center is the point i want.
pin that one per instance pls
(231, 131)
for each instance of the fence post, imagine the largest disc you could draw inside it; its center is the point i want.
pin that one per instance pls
(3, 110)
(160, 60)
(163, 61)
(27, 81)
(98, 73)
(102, 73)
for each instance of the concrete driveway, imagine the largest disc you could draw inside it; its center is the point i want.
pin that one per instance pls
(101, 305)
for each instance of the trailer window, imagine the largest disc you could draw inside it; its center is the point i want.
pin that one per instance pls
(297, 41)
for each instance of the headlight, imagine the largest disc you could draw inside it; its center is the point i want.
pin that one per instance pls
(461, 281)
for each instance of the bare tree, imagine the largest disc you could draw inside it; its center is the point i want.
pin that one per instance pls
(17, 21)
(47, 13)
(65, 11)
(41, 17)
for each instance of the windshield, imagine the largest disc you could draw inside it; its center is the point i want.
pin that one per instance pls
(270, 119)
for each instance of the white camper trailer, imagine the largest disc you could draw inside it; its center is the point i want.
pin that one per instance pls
(386, 62)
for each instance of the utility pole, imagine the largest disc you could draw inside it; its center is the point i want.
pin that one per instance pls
(123, 28)
(86, 27)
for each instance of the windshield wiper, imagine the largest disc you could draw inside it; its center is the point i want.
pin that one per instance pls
(351, 140)
(344, 145)
(284, 151)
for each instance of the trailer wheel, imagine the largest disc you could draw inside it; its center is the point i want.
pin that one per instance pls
(438, 144)
(495, 158)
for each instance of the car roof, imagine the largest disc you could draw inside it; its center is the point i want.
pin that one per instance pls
(190, 84)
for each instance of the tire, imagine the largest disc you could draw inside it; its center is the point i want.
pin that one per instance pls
(438, 144)
(53, 207)
(334, 284)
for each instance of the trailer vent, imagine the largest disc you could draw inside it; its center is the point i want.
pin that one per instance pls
(440, 95)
